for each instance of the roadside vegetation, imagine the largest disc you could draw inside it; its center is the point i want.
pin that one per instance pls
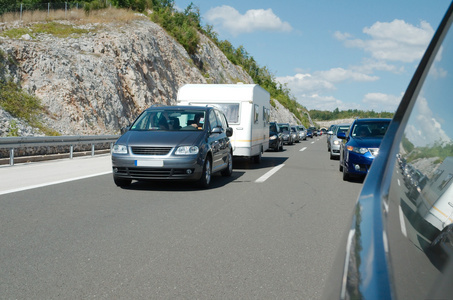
(22, 105)
(184, 26)
(439, 150)
(336, 114)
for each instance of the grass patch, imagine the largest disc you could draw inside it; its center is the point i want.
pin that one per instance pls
(23, 106)
(75, 16)
(57, 29)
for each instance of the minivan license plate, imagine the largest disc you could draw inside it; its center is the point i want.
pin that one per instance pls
(149, 163)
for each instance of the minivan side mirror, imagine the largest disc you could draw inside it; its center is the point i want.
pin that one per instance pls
(229, 131)
(125, 129)
(341, 135)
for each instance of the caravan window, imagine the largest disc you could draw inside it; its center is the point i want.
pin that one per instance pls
(256, 112)
(266, 115)
(231, 111)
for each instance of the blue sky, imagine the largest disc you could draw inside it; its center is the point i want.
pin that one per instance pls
(331, 54)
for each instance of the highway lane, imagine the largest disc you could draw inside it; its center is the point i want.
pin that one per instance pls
(240, 239)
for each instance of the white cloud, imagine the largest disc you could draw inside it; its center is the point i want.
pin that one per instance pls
(423, 128)
(340, 74)
(382, 102)
(370, 65)
(394, 41)
(311, 89)
(253, 20)
(319, 102)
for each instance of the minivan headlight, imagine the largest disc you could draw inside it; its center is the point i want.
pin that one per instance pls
(119, 149)
(187, 150)
(273, 137)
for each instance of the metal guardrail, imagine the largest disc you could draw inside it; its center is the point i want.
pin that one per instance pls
(46, 141)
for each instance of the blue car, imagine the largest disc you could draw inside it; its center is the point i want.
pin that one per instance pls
(399, 243)
(361, 145)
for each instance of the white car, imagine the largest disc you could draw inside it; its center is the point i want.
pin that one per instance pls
(334, 141)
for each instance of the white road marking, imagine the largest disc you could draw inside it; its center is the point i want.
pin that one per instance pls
(269, 174)
(303, 149)
(402, 224)
(50, 183)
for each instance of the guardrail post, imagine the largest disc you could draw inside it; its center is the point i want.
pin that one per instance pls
(92, 149)
(11, 157)
(71, 151)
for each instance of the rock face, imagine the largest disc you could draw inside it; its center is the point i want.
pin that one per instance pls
(100, 81)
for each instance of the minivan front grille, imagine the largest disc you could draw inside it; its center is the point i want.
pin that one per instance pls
(151, 150)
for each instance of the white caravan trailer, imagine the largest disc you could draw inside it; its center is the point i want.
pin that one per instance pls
(247, 108)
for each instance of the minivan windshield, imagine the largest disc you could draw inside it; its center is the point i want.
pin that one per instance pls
(169, 120)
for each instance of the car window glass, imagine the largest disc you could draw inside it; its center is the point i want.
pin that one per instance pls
(341, 129)
(222, 120)
(212, 119)
(370, 129)
(421, 187)
(169, 120)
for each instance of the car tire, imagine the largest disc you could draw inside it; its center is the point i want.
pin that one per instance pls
(122, 182)
(345, 174)
(228, 171)
(331, 156)
(205, 179)
(341, 165)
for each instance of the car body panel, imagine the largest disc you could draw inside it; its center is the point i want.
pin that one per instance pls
(393, 248)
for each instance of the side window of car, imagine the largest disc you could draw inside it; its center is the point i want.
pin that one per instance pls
(222, 119)
(212, 119)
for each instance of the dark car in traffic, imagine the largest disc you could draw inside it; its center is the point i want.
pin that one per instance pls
(174, 143)
(295, 134)
(285, 130)
(399, 244)
(361, 145)
(275, 137)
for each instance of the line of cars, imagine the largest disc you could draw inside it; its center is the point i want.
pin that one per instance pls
(285, 133)
(356, 144)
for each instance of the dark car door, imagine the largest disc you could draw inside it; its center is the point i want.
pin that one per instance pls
(215, 140)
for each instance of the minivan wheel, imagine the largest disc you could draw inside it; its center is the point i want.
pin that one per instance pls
(122, 182)
(229, 169)
(205, 179)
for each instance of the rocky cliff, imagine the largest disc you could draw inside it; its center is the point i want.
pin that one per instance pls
(97, 82)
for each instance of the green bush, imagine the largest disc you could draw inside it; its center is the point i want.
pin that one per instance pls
(22, 105)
